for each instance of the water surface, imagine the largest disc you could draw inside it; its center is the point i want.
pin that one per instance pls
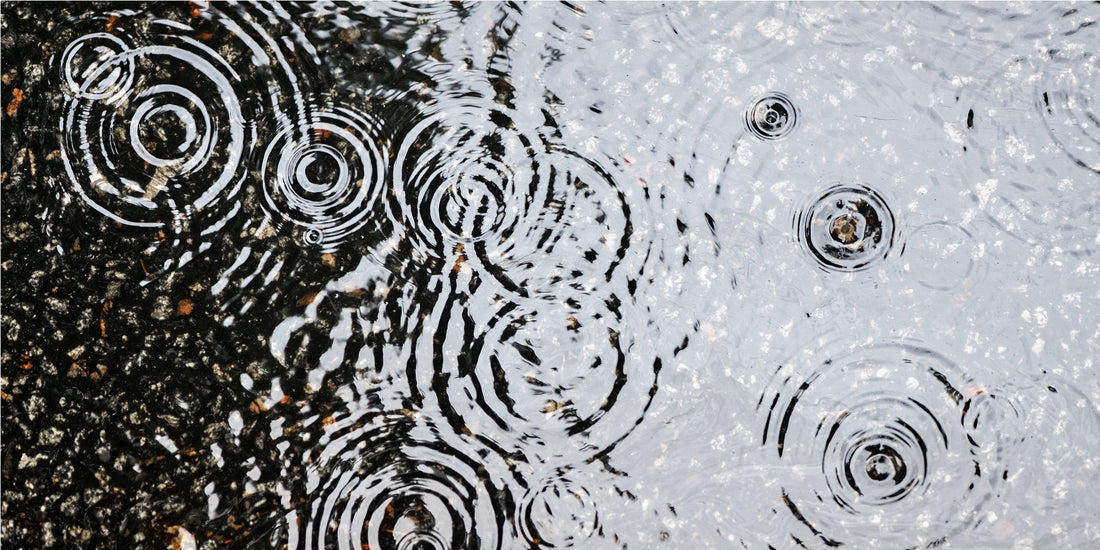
(551, 275)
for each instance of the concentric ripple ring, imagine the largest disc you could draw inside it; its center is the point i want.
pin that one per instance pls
(878, 432)
(846, 228)
(143, 146)
(772, 117)
(326, 178)
(385, 481)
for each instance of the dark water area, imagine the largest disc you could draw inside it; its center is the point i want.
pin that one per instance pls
(550, 275)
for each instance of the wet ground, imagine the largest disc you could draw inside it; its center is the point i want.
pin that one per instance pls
(551, 275)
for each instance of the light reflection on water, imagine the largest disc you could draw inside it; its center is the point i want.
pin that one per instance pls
(554, 275)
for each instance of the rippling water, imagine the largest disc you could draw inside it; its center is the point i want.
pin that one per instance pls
(551, 275)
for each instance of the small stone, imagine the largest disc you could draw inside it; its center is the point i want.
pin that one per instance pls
(350, 34)
(13, 105)
(184, 540)
(51, 437)
(162, 308)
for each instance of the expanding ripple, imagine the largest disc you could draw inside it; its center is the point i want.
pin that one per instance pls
(1067, 100)
(944, 255)
(517, 206)
(327, 177)
(846, 228)
(95, 66)
(575, 374)
(557, 512)
(142, 145)
(159, 112)
(386, 481)
(880, 434)
(771, 117)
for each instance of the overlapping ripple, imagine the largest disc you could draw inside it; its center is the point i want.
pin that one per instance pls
(160, 111)
(515, 205)
(574, 375)
(879, 446)
(143, 145)
(386, 481)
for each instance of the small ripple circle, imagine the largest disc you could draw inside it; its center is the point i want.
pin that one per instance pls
(846, 228)
(95, 66)
(772, 117)
(557, 513)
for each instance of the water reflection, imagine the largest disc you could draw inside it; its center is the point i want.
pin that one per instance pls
(492, 275)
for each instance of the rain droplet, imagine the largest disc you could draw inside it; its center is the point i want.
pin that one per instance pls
(772, 117)
(846, 228)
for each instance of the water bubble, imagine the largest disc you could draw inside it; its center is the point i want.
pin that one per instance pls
(846, 228)
(878, 432)
(313, 237)
(326, 176)
(771, 117)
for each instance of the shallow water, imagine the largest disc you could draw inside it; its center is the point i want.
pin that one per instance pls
(551, 275)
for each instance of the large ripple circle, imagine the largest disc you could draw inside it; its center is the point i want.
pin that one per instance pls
(386, 482)
(151, 133)
(875, 436)
(517, 206)
(576, 374)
